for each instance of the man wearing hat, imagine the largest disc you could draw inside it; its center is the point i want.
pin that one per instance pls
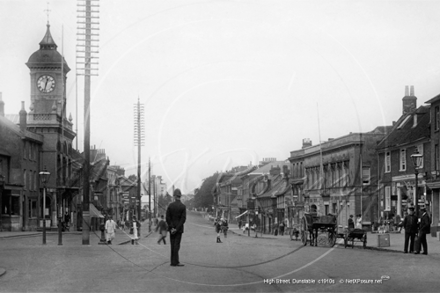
(410, 226)
(176, 217)
(424, 228)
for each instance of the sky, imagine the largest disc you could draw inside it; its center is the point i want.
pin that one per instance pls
(226, 83)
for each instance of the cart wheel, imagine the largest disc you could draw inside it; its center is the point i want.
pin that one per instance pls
(304, 238)
(332, 238)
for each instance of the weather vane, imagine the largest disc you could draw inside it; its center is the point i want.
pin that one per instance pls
(47, 10)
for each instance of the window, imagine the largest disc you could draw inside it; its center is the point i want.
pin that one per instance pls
(436, 118)
(24, 179)
(387, 162)
(366, 175)
(436, 150)
(387, 198)
(420, 150)
(32, 208)
(402, 160)
(24, 150)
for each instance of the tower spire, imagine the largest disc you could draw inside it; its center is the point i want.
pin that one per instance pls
(47, 10)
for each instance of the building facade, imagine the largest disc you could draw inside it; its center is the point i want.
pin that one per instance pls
(397, 182)
(339, 176)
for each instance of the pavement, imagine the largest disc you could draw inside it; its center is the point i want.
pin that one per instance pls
(396, 241)
(122, 237)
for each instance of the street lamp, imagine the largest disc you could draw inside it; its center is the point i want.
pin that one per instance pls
(417, 161)
(44, 177)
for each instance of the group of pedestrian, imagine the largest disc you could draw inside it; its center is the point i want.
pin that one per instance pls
(415, 231)
(221, 226)
(110, 228)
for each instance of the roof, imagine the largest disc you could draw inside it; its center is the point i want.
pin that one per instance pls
(403, 131)
(16, 129)
(435, 99)
(266, 168)
(47, 55)
(279, 186)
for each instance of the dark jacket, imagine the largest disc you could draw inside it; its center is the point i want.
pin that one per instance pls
(425, 224)
(162, 226)
(350, 223)
(410, 224)
(176, 216)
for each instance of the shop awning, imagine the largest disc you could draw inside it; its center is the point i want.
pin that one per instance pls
(242, 214)
(94, 213)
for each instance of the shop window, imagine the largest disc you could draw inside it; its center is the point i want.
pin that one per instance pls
(10, 204)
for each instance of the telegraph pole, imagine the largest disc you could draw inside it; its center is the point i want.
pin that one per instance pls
(86, 51)
(139, 138)
(149, 194)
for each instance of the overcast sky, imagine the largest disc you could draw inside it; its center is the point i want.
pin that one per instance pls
(228, 83)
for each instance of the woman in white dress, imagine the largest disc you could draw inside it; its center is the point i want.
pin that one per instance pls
(359, 222)
(135, 231)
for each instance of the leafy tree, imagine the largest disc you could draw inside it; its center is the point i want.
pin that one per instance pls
(163, 202)
(203, 198)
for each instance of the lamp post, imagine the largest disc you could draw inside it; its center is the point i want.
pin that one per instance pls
(44, 177)
(417, 161)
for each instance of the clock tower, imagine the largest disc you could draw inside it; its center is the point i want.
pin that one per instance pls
(47, 116)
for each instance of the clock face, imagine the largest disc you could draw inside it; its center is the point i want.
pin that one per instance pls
(46, 83)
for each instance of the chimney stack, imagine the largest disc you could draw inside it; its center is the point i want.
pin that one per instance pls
(409, 102)
(2, 106)
(307, 142)
(23, 117)
(406, 91)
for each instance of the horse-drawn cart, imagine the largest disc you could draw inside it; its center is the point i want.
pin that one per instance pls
(355, 235)
(311, 225)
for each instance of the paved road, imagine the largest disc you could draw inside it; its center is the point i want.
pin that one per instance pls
(240, 264)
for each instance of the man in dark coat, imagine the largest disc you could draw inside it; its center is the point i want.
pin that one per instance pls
(424, 228)
(176, 217)
(410, 226)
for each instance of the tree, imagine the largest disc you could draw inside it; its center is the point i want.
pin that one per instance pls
(203, 198)
(163, 202)
(132, 178)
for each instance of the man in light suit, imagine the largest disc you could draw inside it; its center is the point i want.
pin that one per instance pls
(176, 217)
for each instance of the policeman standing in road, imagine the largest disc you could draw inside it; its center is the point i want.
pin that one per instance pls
(410, 226)
(425, 223)
(176, 217)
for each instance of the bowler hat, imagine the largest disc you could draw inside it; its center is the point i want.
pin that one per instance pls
(177, 193)
(411, 208)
